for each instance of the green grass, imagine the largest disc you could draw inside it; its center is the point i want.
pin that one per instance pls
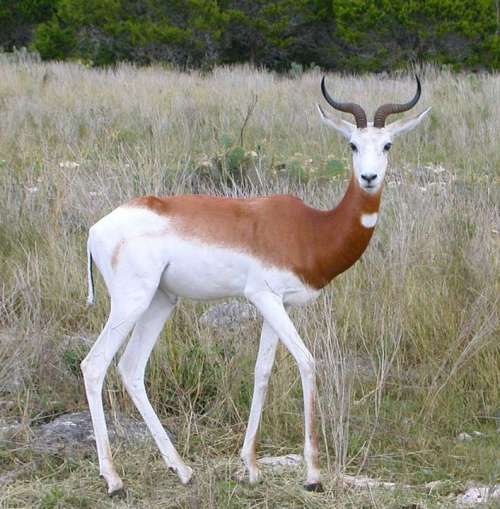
(417, 317)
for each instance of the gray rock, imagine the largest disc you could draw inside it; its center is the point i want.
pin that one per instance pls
(73, 433)
(273, 463)
(229, 315)
(281, 462)
(360, 481)
(467, 437)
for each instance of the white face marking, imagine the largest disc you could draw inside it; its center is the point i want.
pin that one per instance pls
(369, 220)
(369, 159)
(371, 146)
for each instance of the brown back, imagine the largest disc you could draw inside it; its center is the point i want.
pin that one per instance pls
(280, 230)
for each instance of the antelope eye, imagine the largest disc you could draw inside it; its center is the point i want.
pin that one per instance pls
(353, 147)
(387, 147)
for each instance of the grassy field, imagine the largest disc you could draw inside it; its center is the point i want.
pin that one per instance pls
(407, 341)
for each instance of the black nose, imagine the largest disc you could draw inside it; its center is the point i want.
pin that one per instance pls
(369, 177)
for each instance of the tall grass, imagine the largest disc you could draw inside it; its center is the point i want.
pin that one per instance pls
(406, 341)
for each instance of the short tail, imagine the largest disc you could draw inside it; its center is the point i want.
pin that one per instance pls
(90, 277)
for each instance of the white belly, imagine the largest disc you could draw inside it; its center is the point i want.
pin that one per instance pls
(204, 272)
(188, 268)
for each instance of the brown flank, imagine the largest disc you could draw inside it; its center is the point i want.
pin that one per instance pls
(281, 231)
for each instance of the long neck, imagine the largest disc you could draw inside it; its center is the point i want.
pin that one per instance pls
(345, 231)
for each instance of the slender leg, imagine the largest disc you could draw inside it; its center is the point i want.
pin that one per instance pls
(263, 367)
(120, 322)
(271, 307)
(132, 367)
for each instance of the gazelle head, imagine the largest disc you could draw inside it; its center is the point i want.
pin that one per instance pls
(370, 142)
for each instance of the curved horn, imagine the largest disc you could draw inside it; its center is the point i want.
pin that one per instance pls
(353, 108)
(388, 109)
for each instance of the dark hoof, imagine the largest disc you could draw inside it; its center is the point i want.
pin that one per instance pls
(316, 487)
(119, 493)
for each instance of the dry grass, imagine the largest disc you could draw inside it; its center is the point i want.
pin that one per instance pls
(406, 341)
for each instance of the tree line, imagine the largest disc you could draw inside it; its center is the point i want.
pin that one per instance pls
(350, 35)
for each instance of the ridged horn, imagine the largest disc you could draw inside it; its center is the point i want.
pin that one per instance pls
(388, 109)
(353, 108)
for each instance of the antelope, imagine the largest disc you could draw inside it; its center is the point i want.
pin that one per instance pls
(276, 251)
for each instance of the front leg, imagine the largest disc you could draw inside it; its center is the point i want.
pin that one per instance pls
(274, 313)
(263, 367)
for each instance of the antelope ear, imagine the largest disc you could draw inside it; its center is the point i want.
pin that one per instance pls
(342, 126)
(403, 125)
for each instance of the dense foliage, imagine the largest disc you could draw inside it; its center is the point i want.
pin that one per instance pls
(338, 34)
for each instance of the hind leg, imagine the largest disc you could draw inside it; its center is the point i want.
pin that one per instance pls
(127, 305)
(132, 367)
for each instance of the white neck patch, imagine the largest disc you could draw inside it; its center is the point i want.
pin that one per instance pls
(369, 220)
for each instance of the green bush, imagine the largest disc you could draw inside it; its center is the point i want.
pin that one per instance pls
(285, 35)
(54, 42)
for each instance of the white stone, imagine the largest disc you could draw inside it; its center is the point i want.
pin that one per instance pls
(69, 164)
(290, 460)
(8, 431)
(479, 495)
(367, 482)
